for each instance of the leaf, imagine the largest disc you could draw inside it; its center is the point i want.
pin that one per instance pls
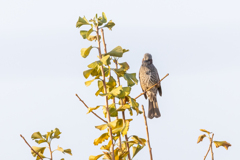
(100, 86)
(124, 65)
(56, 133)
(112, 110)
(104, 18)
(136, 150)
(101, 127)
(90, 109)
(130, 78)
(92, 38)
(109, 25)
(95, 157)
(222, 143)
(87, 73)
(200, 138)
(107, 147)
(107, 156)
(82, 21)
(68, 151)
(95, 64)
(203, 130)
(60, 149)
(125, 128)
(120, 72)
(40, 141)
(116, 123)
(88, 83)
(85, 51)
(106, 59)
(101, 139)
(123, 107)
(36, 135)
(124, 92)
(39, 150)
(85, 34)
(116, 52)
(111, 82)
(62, 159)
(138, 140)
(134, 105)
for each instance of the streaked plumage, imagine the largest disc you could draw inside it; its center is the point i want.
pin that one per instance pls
(148, 76)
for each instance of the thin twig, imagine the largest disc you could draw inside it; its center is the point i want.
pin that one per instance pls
(49, 146)
(211, 147)
(105, 90)
(152, 86)
(31, 147)
(123, 114)
(88, 107)
(148, 140)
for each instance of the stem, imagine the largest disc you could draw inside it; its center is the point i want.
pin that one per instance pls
(31, 147)
(49, 146)
(105, 90)
(123, 114)
(105, 51)
(149, 147)
(152, 86)
(209, 148)
(92, 111)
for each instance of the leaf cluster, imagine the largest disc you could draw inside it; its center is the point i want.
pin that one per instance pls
(47, 138)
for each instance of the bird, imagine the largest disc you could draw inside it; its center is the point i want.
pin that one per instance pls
(148, 76)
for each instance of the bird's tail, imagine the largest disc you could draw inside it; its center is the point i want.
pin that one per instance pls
(153, 110)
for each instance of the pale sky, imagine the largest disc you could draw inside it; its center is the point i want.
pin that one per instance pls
(196, 42)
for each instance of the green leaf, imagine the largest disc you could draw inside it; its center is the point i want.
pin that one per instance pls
(95, 64)
(112, 110)
(134, 105)
(85, 34)
(111, 82)
(225, 144)
(123, 107)
(136, 150)
(56, 133)
(39, 150)
(101, 139)
(116, 52)
(124, 92)
(95, 157)
(107, 147)
(124, 65)
(90, 109)
(102, 127)
(203, 130)
(109, 25)
(200, 138)
(106, 59)
(82, 21)
(85, 51)
(36, 135)
(120, 72)
(130, 78)
(104, 18)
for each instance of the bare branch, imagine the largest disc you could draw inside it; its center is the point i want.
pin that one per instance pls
(152, 86)
(92, 111)
(31, 147)
(211, 146)
(148, 140)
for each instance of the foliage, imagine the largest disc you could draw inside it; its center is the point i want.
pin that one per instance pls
(47, 138)
(111, 89)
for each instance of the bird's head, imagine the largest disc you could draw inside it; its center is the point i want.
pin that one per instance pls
(147, 59)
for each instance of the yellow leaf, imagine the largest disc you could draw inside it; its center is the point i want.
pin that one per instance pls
(101, 127)
(95, 157)
(90, 109)
(101, 139)
(200, 138)
(222, 143)
(107, 147)
(203, 130)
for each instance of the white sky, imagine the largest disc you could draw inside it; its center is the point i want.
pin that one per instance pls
(197, 42)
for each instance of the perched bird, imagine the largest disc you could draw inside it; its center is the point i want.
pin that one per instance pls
(148, 76)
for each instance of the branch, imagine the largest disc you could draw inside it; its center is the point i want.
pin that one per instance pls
(88, 107)
(105, 90)
(31, 147)
(149, 147)
(152, 86)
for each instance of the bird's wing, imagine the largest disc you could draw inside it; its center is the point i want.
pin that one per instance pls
(158, 79)
(141, 78)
